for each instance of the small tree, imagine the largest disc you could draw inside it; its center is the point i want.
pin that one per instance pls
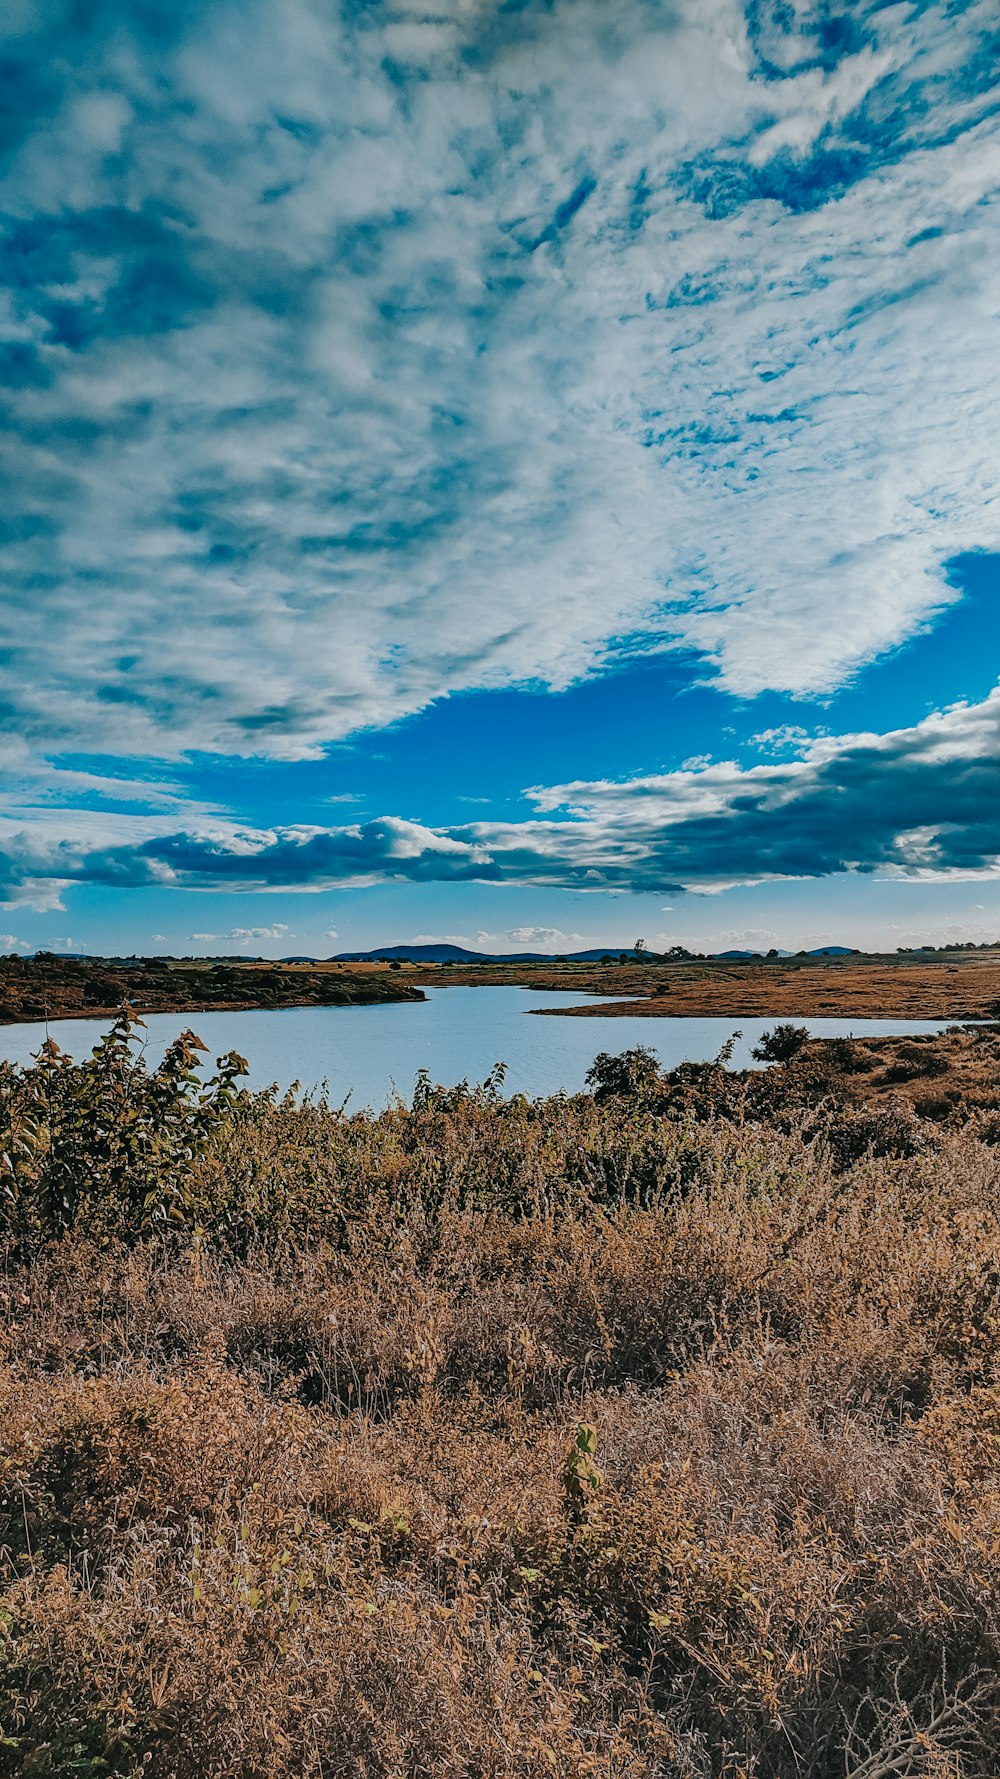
(781, 1044)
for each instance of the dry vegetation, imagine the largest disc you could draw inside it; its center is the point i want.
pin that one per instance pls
(945, 985)
(791, 988)
(49, 987)
(654, 1433)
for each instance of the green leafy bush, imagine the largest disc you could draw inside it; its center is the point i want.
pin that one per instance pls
(107, 1143)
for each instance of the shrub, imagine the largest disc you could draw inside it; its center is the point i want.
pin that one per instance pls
(493, 1439)
(634, 1074)
(106, 1138)
(886, 1131)
(781, 1044)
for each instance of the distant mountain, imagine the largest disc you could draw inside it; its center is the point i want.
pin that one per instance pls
(760, 954)
(821, 951)
(459, 954)
(418, 954)
(596, 953)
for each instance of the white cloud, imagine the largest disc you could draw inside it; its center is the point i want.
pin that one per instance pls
(373, 413)
(521, 937)
(544, 936)
(240, 936)
(787, 738)
(727, 939)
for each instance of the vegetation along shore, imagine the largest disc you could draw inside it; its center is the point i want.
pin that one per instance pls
(926, 985)
(49, 987)
(651, 1433)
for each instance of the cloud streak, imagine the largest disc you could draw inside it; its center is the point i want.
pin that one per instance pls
(359, 355)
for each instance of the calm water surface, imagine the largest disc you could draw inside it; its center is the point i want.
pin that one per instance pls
(458, 1033)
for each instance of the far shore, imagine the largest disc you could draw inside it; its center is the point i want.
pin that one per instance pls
(48, 988)
(938, 986)
(945, 986)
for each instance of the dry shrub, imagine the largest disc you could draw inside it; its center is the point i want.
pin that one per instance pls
(290, 1492)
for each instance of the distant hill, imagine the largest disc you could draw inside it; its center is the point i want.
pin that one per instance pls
(418, 954)
(757, 954)
(459, 954)
(821, 951)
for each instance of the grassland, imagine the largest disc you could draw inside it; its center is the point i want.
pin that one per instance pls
(646, 1434)
(938, 985)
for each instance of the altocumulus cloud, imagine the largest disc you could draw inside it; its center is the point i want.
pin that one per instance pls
(365, 353)
(914, 802)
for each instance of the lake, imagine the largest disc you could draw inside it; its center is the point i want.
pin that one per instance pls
(458, 1033)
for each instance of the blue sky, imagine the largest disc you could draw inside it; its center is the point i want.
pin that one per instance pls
(523, 472)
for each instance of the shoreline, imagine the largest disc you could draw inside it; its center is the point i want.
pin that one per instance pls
(654, 1008)
(109, 1013)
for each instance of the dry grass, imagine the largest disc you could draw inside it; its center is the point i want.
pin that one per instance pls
(292, 1494)
(945, 986)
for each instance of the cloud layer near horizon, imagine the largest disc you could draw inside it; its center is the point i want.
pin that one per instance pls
(915, 802)
(361, 354)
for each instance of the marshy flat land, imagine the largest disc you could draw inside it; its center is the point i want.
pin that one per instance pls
(647, 1433)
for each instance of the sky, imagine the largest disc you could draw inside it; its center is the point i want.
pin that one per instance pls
(516, 471)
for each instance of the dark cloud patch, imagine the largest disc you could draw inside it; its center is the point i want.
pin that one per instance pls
(920, 801)
(916, 802)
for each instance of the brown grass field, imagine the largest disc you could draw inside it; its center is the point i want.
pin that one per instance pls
(943, 987)
(647, 1436)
